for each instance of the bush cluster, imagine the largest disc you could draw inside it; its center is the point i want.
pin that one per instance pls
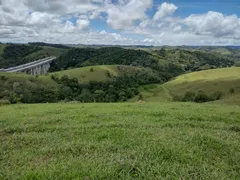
(199, 97)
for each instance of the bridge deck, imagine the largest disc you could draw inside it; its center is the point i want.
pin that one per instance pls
(29, 65)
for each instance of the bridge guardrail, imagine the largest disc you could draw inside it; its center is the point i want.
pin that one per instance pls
(29, 65)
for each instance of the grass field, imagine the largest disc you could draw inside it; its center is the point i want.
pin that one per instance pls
(120, 141)
(99, 73)
(208, 81)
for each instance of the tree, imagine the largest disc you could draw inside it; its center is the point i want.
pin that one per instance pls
(122, 96)
(201, 97)
(65, 93)
(14, 98)
(216, 96)
(189, 96)
(108, 73)
(85, 96)
(17, 88)
(232, 90)
(99, 96)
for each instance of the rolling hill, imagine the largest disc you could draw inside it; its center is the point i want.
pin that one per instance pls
(209, 81)
(29, 89)
(79, 57)
(100, 73)
(195, 60)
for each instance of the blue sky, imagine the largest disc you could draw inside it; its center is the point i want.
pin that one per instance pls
(186, 8)
(126, 22)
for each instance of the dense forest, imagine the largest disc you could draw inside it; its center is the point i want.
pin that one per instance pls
(195, 60)
(16, 54)
(188, 60)
(13, 54)
(78, 57)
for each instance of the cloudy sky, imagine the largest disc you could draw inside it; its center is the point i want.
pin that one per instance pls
(125, 22)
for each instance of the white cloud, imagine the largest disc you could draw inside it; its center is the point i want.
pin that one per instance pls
(5, 31)
(83, 23)
(41, 19)
(58, 21)
(96, 15)
(164, 10)
(215, 24)
(68, 28)
(60, 6)
(126, 13)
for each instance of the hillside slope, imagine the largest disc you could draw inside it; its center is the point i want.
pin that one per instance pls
(97, 73)
(78, 57)
(195, 60)
(208, 81)
(29, 89)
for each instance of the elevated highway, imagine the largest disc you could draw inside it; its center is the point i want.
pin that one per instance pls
(38, 67)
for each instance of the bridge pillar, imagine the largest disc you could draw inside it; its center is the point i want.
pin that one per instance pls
(42, 69)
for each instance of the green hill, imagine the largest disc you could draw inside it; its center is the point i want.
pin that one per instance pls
(20, 87)
(196, 60)
(98, 73)
(78, 57)
(208, 81)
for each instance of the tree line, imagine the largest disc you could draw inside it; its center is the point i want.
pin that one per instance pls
(69, 89)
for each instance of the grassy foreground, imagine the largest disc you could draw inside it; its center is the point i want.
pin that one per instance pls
(120, 141)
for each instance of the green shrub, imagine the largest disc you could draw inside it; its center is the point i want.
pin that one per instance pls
(189, 96)
(140, 97)
(232, 90)
(14, 98)
(3, 78)
(176, 98)
(216, 96)
(201, 97)
(4, 102)
(108, 73)
(85, 96)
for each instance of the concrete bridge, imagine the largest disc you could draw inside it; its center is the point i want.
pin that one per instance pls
(38, 67)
